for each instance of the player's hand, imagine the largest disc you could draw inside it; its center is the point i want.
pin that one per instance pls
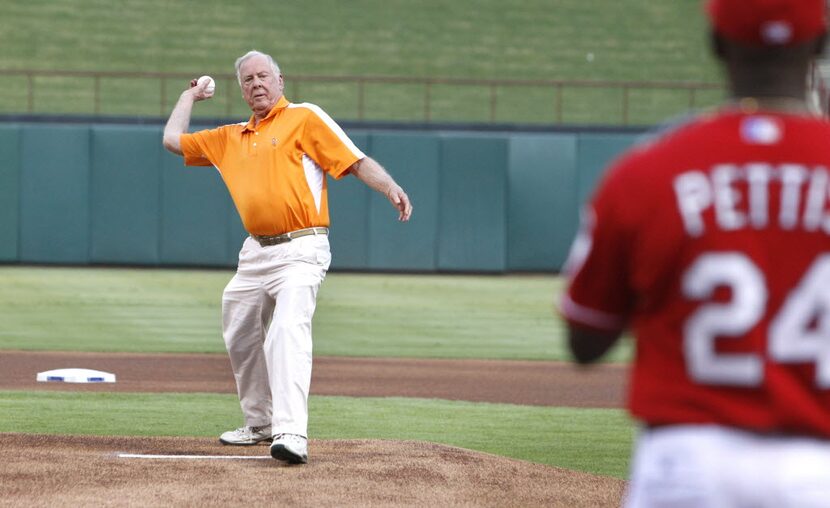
(199, 92)
(400, 200)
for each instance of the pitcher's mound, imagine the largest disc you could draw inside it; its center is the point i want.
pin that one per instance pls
(46, 470)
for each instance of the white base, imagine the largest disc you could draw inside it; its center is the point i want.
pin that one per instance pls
(76, 376)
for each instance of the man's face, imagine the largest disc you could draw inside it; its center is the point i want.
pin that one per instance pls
(261, 89)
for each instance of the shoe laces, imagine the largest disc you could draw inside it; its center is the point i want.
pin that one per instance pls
(250, 430)
(290, 436)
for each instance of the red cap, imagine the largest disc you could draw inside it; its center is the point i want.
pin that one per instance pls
(768, 22)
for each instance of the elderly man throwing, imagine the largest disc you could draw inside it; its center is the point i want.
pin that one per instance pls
(275, 169)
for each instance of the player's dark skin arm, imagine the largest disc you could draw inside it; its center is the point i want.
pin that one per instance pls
(587, 345)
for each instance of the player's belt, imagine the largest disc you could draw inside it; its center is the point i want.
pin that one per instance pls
(287, 237)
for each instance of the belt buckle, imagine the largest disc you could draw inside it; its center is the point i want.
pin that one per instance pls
(267, 241)
(287, 237)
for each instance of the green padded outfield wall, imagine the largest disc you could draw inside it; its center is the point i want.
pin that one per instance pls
(484, 202)
(543, 200)
(9, 192)
(414, 158)
(54, 194)
(126, 178)
(472, 231)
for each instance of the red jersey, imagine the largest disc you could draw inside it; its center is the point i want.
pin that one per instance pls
(712, 244)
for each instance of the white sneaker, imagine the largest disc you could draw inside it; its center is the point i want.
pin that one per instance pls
(246, 436)
(291, 448)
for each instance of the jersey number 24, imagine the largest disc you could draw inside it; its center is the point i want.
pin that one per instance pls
(798, 333)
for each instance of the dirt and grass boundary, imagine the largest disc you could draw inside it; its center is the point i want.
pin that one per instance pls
(46, 470)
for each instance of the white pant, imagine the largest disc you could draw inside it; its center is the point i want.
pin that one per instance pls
(266, 318)
(717, 467)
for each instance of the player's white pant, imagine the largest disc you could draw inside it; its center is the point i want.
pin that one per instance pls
(718, 467)
(266, 317)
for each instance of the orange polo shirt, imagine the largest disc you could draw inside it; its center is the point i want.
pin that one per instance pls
(275, 171)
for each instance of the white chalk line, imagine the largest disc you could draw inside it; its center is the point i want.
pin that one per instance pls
(192, 457)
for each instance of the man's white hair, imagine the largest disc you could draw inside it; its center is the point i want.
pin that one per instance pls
(253, 53)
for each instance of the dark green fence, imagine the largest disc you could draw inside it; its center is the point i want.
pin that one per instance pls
(489, 202)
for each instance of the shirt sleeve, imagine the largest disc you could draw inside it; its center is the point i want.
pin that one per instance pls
(325, 142)
(599, 295)
(204, 148)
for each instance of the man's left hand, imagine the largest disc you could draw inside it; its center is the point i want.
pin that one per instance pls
(400, 200)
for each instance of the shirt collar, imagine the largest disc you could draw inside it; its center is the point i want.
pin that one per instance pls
(281, 104)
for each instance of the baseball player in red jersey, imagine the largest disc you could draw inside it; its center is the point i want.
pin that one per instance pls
(711, 243)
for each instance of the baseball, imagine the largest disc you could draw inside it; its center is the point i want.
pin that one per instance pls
(211, 86)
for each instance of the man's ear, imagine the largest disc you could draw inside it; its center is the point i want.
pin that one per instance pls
(717, 45)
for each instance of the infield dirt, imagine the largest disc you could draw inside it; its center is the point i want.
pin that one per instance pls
(512, 382)
(40, 470)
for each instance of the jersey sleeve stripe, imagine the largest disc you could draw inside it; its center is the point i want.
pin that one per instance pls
(331, 124)
(588, 316)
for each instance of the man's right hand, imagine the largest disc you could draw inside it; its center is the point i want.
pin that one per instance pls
(198, 92)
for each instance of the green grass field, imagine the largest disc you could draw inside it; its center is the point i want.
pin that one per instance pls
(426, 316)
(594, 440)
(635, 40)
(144, 310)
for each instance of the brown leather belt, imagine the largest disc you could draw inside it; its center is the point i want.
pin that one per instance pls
(287, 237)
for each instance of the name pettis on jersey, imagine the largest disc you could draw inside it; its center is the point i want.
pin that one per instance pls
(739, 196)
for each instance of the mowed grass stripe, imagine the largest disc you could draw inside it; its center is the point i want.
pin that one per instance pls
(593, 440)
(160, 310)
